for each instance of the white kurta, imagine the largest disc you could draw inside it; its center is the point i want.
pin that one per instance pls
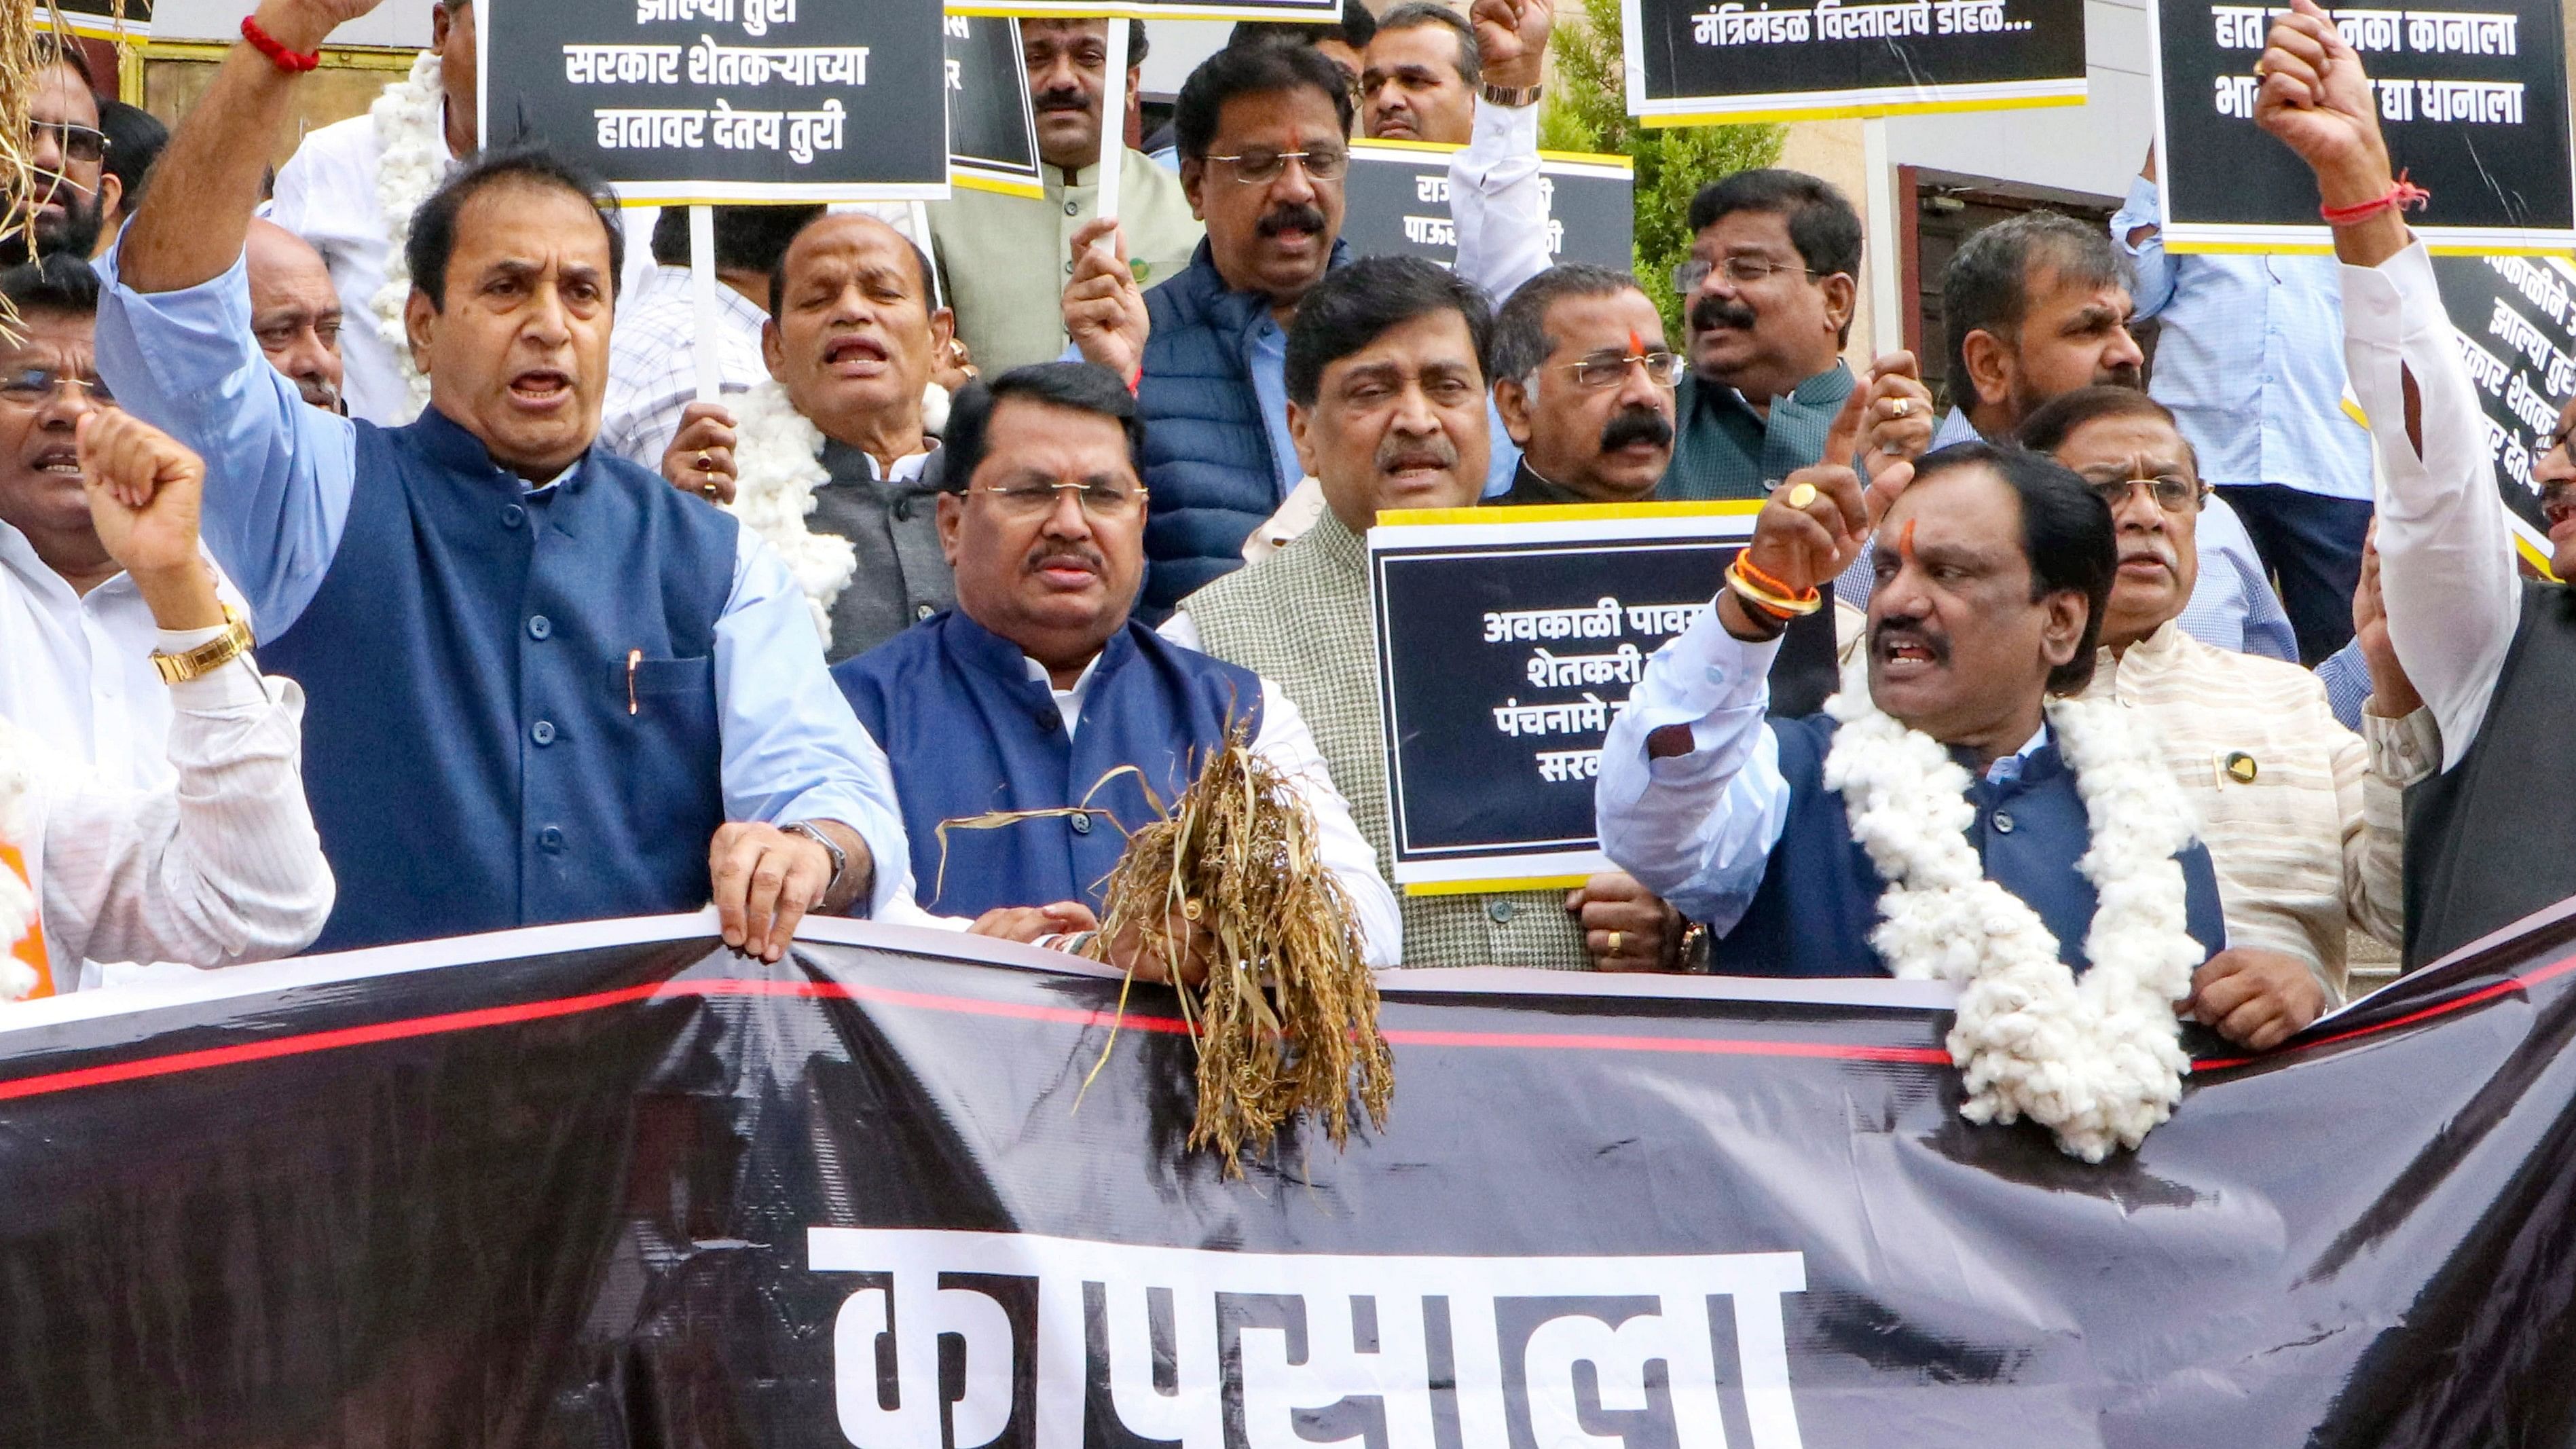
(326, 194)
(76, 671)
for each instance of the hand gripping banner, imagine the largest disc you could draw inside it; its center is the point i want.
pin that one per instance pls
(610, 1185)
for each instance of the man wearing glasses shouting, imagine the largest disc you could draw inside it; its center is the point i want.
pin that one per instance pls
(67, 154)
(1041, 692)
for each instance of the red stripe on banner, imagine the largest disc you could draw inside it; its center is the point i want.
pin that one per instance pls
(2507, 987)
(455, 1021)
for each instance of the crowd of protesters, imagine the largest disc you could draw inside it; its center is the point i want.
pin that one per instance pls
(334, 617)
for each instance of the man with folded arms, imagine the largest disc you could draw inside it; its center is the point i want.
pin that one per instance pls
(219, 865)
(2493, 657)
(1042, 692)
(545, 685)
(2303, 819)
(1386, 381)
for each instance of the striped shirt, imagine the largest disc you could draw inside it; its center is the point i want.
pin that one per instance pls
(2309, 846)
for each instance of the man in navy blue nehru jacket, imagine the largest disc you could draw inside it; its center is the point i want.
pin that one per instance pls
(1952, 757)
(544, 685)
(1041, 690)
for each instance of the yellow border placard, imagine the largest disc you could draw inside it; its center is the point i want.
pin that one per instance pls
(1857, 113)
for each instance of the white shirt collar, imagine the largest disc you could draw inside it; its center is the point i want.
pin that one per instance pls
(1068, 702)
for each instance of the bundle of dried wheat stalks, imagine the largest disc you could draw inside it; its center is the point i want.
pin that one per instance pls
(1286, 1018)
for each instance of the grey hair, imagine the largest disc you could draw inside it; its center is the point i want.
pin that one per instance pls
(1521, 343)
(1414, 13)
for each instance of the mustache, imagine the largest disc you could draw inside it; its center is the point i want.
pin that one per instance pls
(2127, 375)
(1056, 550)
(2161, 550)
(320, 394)
(1397, 453)
(1710, 312)
(1898, 631)
(1636, 425)
(1063, 100)
(1295, 216)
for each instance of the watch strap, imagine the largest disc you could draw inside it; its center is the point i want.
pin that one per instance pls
(840, 857)
(233, 643)
(1515, 98)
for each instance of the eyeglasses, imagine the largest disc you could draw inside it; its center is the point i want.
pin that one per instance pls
(2173, 494)
(1742, 271)
(33, 387)
(1037, 500)
(79, 143)
(1260, 168)
(1604, 371)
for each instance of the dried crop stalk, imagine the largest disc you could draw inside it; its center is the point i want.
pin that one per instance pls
(18, 77)
(1286, 1021)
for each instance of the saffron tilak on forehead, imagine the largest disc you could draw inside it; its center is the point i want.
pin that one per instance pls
(1905, 541)
(1636, 343)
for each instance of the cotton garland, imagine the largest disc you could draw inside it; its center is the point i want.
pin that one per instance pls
(778, 463)
(17, 902)
(2097, 1061)
(411, 144)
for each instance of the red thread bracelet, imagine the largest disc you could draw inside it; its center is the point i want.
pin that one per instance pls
(2403, 195)
(293, 62)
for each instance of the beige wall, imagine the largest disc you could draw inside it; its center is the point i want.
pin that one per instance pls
(1832, 150)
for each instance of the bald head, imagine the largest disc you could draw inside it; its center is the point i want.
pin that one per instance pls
(295, 312)
(853, 331)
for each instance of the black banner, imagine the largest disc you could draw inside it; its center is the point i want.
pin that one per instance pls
(1398, 205)
(1504, 651)
(2472, 98)
(992, 127)
(2517, 323)
(1693, 62)
(615, 1187)
(725, 100)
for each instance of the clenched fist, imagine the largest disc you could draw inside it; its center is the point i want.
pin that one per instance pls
(145, 489)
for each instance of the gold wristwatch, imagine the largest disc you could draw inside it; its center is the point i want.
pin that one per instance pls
(1513, 97)
(208, 657)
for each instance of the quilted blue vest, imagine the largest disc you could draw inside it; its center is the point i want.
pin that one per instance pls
(1818, 900)
(967, 732)
(1208, 468)
(473, 754)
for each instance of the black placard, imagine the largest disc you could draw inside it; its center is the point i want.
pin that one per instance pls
(992, 130)
(2517, 322)
(1308, 11)
(1505, 648)
(97, 18)
(1695, 61)
(725, 100)
(2472, 98)
(1398, 205)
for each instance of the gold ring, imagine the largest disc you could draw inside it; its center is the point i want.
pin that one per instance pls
(1901, 407)
(2259, 71)
(707, 490)
(1615, 938)
(706, 461)
(1802, 495)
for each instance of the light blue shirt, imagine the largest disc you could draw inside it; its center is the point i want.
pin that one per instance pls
(2346, 676)
(1698, 829)
(1270, 385)
(2251, 361)
(2232, 606)
(279, 477)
